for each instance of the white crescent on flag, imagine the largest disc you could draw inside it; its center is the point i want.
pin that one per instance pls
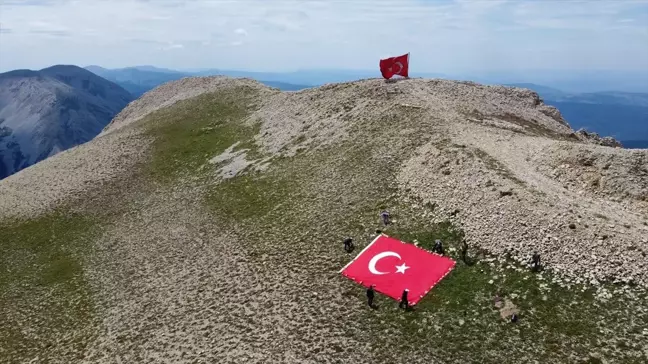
(377, 257)
(400, 67)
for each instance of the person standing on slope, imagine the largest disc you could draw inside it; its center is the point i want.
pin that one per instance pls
(535, 262)
(370, 295)
(385, 217)
(464, 251)
(404, 302)
(438, 247)
(348, 245)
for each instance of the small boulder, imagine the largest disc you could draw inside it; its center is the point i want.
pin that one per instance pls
(506, 193)
(508, 310)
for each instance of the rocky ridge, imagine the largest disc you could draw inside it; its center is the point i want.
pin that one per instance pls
(597, 139)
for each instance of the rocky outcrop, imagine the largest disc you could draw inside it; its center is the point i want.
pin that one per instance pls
(592, 137)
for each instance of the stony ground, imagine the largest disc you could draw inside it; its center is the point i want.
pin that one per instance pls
(205, 225)
(507, 202)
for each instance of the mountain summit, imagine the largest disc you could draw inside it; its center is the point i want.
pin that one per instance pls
(205, 224)
(48, 111)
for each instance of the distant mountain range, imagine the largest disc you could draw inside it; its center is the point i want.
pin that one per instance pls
(622, 115)
(47, 111)
(140, 79)
(570, 81)
(135, 80)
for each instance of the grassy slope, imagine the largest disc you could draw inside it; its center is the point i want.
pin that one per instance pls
(45, 303)
(297, 213)
(317, 198)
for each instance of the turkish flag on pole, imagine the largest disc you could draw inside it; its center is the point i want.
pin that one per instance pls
(395, 66)
(394, 266)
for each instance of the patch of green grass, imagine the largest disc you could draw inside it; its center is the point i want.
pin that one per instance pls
(249, 196)
(44, 299)
(458, 316)
(450, 235)
(191, 132)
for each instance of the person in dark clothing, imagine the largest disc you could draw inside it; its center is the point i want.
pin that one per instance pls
(535, 262)
(404, 303)
(514, 318)
(385, 217)
(464, 251)
(348, 245)
(370, 295)
(438, 247)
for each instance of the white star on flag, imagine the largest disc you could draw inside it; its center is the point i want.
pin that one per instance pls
(401, 268)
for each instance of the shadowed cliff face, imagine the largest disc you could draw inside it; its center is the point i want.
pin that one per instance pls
(48, 111)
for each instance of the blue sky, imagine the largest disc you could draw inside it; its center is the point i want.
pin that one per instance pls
(266, 35)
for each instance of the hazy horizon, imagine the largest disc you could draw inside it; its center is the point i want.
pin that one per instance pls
(448, 37)
(574, 81)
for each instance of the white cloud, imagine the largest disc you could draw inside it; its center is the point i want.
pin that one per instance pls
(442, 36)
(171, 46)
(47, 28)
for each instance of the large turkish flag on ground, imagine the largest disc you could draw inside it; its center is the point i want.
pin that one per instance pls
(395, 66)
(394, 266)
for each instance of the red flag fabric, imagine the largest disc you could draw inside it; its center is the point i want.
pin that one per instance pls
(393, 266)
(395, 66)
